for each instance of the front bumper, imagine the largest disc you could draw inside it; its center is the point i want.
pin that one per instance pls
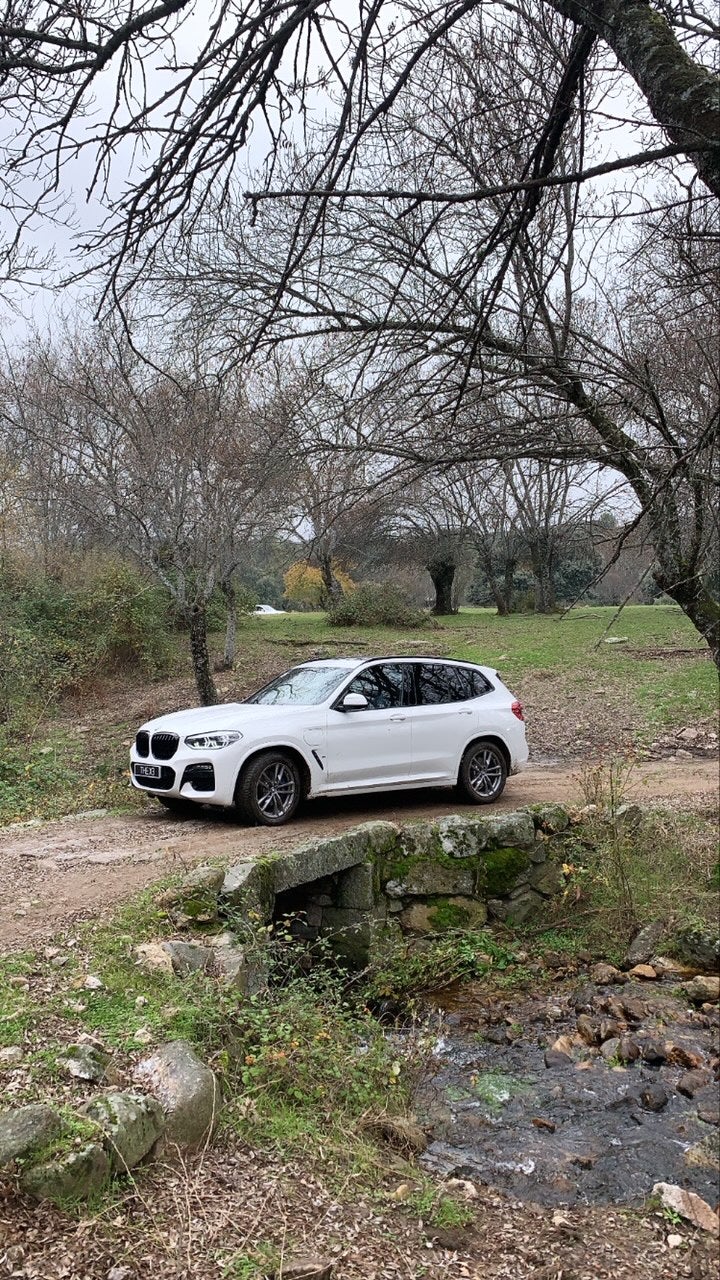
(207, 779)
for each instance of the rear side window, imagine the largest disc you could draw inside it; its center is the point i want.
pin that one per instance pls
(383, 686)
(442, 682)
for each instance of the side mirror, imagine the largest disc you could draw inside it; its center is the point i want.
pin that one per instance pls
(354, 702)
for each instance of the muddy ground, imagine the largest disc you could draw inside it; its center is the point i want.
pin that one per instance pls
(54, 873)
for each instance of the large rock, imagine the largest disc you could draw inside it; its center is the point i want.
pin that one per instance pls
(460, 837)
(24, 1130)
(356, 888)
(195, 900)
(427, 879)
(187, 1090)
(319, 859)
(705, 988)
(547, 878)
(550, 817)
(523, 903)
(516, 830)
(246, 971)
(188, 957)
(688, 1205)
(249, 887)
(700, 946)
(439, 916)
(644, 944)
(131, 1124)
(70, 1176)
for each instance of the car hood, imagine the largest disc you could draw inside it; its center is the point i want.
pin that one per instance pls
(228, 715)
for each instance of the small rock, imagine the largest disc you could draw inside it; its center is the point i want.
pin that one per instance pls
(26, 1129)
(653, 1097)
(467, 1190)
(401, 1193)
(143, 1035)
(709, 1110)
(667, 967)
(610, 1029)
(93, 983)
(688, 1205)
(606, 974)
(305, 1269)
(704, 988)
(643, 971)
(588, 1029)
(119, 1273)
(689, 735)
(85, 1062)
(633, 1010)
(679, 1056)
(674, 1241)
(691, 1082)
(541, 1123)
(555, 1059)
(11, 1055)
(628, 815)
(609, 1049)
(628, 1049)
(153, 955)
(654, 1050)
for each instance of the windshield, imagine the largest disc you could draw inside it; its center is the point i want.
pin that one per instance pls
(304, 685)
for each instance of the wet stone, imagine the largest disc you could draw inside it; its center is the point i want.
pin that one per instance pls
(555, 1059)
(609, 1049)
(654, 1051)
(588, 1029)
(606, 974)
(709, 1107)
(691, 1082)
(654, 1097)
(628, 1049)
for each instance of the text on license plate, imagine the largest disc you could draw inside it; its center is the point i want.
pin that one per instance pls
(147, 771)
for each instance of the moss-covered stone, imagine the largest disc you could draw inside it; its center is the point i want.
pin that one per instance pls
(550, 817)
(502, 869)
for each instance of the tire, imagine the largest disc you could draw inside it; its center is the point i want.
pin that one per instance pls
(181, 808)
(269, 789)
(483, 773)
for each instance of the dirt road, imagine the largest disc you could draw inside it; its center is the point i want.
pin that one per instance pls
(57, 872)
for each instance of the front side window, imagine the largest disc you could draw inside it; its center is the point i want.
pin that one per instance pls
(383, 686)
(305, 686)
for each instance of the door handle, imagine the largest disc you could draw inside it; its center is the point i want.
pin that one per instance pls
(396, 719)
(465, 711)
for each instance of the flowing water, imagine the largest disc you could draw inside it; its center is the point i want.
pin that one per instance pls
(583, 1131)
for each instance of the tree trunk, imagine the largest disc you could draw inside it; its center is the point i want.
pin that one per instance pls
(200, 656)
(545, 601)
(333, 590)
(442, 573)
(701, 607)
(228, 591)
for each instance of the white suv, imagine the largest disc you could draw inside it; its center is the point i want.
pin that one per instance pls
(337, 727)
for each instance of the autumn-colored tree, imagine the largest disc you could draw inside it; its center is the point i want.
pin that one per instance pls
(304, 583)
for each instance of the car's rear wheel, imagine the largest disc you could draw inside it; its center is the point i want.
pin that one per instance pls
(483, 773)
(269, 789)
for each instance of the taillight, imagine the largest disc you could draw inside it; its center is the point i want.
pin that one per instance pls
(517, 710)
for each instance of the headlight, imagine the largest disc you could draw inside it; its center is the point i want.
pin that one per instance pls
(212, 741)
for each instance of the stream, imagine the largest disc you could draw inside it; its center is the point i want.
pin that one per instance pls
(585, 1128)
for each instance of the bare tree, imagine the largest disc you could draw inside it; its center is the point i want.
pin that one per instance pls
(171, 464)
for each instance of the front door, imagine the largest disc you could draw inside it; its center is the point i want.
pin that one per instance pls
(371, 746)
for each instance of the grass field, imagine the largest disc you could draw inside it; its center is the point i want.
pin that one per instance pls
(583, 697)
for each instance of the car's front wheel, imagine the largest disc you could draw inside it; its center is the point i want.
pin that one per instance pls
(483, 773)
(269, 789)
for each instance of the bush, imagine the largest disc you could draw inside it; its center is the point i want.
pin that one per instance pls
(381, 604)
(57, 633)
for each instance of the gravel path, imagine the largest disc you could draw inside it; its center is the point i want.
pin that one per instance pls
(56, 872)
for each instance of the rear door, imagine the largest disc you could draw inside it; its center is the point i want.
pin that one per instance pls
(371, 746)
(445, 718)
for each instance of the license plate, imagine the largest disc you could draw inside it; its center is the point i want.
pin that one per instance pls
(147, 771)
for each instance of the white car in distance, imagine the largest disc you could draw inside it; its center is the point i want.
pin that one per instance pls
(337, 727)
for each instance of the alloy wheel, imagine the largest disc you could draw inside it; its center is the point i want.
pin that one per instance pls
(485, 773)
(275, 790)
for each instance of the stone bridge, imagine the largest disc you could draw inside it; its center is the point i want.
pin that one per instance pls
(381, 881)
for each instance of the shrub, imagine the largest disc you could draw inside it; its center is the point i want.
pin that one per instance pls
(304, 584)
(381, 604)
